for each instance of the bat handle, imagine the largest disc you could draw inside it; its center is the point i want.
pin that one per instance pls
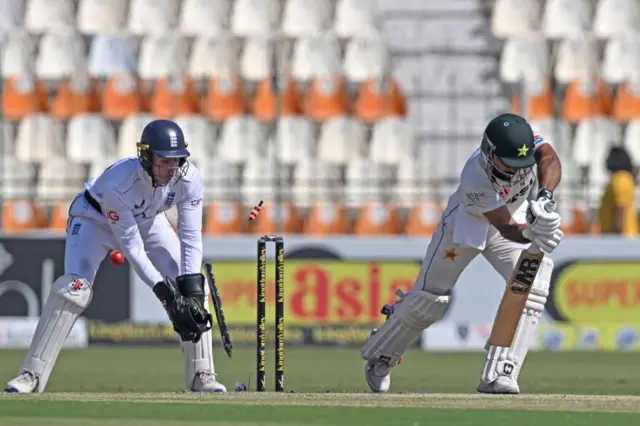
(550, 207)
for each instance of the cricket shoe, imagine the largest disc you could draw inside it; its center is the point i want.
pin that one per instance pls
(378, 374)
(206, 382)
(26, 382)
(501, 385)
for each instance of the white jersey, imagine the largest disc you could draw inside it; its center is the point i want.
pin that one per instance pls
(128, 200)
(476, 195)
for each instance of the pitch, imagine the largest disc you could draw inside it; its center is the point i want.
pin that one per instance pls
(115, 385)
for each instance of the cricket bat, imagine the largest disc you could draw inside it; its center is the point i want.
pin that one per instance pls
(516, 294)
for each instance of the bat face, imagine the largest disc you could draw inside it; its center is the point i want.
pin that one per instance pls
(525, 272)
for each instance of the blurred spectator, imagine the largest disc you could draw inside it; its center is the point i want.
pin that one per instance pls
(618, 212)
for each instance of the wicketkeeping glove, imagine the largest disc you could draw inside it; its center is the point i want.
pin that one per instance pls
(190, 320)
(191, 287)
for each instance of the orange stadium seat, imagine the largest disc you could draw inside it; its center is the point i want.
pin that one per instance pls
(59, 215)
(626, 106)
(376, 218)
(174, 95)
(22, 215)
(289, 219)
(423, 218)
(23, 95)
(327, 98)
(326, 218)
(76, 98)
(122, 97)
(225, 98)
(376, 100)
(224, 217)
(539, 105)
(575, 221)
(579, 104)
(264, 102)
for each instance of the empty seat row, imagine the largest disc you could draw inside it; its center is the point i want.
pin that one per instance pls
(527, 57)
(361, 180)
(583, 98)
(124, 95)
(191, 17)
(323, 218)
(229, 217)
(557, 19)
(61, 52)
(294, 139)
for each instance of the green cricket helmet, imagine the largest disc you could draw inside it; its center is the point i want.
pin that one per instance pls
(511, 139)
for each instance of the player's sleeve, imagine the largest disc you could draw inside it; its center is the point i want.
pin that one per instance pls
(127, 235)
(190, 226)
(480, 199)
(539, 140)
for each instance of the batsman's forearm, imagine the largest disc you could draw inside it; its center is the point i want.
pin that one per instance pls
(549, 169)
(513, 232)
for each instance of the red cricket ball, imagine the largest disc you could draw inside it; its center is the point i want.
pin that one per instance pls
(117, 258)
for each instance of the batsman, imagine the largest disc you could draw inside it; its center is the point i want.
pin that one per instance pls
(494, 213)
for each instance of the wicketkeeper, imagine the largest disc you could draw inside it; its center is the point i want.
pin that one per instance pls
(124, 208)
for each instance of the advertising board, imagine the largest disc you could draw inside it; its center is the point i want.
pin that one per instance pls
(335, 287)
(29, 266)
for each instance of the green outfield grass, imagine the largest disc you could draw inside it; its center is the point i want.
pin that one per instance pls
(113, 385)
(159, 369)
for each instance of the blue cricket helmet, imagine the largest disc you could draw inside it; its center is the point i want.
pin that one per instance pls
(165, 139)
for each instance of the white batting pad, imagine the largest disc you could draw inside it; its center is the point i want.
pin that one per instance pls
(70, 296)
(412, 313)
(531, 315)
(198, 356)
(501, 361)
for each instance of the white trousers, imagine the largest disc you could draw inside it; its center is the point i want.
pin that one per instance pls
(445, 260)
(89, 239)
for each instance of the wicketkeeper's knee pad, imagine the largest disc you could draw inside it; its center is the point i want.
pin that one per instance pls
(70, 295)
(416, 311)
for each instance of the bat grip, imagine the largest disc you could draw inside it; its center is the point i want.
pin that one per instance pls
(533, 248)
(550, 207)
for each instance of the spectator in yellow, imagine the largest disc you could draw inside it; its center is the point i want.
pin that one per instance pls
(618, 211)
